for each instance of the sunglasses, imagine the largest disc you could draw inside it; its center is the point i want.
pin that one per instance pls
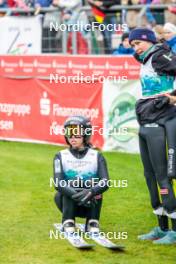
(73, 130)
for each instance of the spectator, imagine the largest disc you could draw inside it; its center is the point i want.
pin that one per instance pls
(24, 4)
(172, 9)
(43, 3)
(158, 29)
(51, 39)
(3, 3)
(170, 36)
(124, 47)
(170, 12)
(151, 19)
(131, 15)
(71, 16)
(102, 14)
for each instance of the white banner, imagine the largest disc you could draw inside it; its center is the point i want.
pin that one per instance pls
(120, 124)
(20, 35)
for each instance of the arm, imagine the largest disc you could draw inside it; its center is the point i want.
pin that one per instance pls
(104, 3)
(103, 176)
(164, 63)
(61, 184)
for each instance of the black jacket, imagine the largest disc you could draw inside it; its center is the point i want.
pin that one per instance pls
(164, 63)
(163, 60)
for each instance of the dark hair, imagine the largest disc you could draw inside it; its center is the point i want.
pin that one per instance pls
(124, 36)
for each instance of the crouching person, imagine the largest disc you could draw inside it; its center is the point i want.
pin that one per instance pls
(81, 176)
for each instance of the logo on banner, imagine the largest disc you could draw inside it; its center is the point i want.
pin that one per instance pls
(122, 115)
(21, 48)
(45, 105)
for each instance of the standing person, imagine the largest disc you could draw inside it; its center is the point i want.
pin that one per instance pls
(80, 175)
(156, 114)
(103, 15)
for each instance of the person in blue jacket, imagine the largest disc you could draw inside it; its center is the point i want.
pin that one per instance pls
(124, 47)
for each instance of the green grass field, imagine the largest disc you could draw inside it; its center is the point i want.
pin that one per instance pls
(28, 211)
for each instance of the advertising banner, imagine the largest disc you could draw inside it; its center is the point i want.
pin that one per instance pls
(35, 110)
(91, 67)
(38, 93)
(120, 124)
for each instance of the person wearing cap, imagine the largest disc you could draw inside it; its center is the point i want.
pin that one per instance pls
(80, 176)
(156, 114)
(124, 47)
(169, 33)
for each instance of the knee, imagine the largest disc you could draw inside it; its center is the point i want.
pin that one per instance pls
(149, 174)
(150, 177)
(99, 202)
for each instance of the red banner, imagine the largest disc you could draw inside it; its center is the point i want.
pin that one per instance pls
(34, 106)
(93, 66)
(35, 110)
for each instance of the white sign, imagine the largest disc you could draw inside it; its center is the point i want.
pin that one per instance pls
(20, 35)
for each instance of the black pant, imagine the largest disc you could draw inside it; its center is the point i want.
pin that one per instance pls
(170, 127)
(152, 142)
(70, 208)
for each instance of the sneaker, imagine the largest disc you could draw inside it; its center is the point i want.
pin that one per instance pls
(155, 233)
(68, 226)
(169, 239)
(93, 226)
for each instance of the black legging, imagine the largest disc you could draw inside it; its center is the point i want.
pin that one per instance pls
(152, 142)
(70, 209)
(170, 127)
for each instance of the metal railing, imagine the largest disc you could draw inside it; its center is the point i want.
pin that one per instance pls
(56, 41)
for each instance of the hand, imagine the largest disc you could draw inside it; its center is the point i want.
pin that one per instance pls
(55, 2)
(96, 3)
(76, 183)
(37, 10)
(83, 196)
(172, 99)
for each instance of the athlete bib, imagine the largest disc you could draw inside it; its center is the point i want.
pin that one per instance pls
(84, 168)
(152, 83)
